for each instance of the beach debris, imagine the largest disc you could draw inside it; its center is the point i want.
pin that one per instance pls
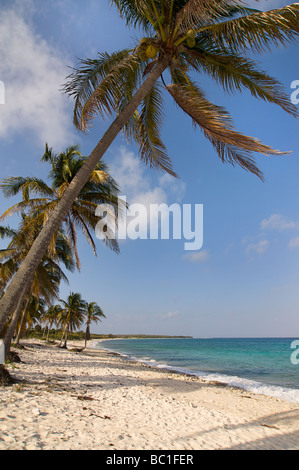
(94, 414)
(102, 417)
(84, 397)
(271, 426)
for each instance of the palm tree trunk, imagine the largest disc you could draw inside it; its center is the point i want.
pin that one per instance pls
(66, 336)
(62, 335)
(25, 273)
(48, 332)
(22, 324)
(12, 326)
(87, 334)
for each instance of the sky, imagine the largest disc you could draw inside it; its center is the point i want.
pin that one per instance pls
(244, 280)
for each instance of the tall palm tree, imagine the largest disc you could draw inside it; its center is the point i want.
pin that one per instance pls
(39, 198)
(93, 313)
(47, 277)
(71, 315)
(100, 189)
(181, 36)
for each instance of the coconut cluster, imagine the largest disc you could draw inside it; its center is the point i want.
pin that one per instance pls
(149, 49)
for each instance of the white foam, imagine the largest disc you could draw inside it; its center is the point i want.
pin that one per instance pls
(282, 393)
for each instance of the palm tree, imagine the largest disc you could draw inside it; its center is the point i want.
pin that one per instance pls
(182, 36)
(71, 315)
(47, 277)
(33, 312)
(51, 317)
(93, 313)
(100, 189)
(39, 199)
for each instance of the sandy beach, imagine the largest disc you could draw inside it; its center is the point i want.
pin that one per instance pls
(96, 400)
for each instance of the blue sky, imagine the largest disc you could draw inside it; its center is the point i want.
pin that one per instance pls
(244, 281)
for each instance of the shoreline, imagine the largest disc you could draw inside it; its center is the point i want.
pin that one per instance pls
(288, 394)
(99, 400)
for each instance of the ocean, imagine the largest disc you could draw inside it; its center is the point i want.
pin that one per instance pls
(268, 366)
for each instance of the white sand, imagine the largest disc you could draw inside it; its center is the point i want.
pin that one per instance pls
(98, 401)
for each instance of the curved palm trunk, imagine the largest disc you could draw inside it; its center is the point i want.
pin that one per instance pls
(24, 276)
(21, 324)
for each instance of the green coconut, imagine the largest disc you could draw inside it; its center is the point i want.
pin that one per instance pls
(142, 47)
(151, 51)
(191, 34)
(162, 20)
(191, 38)
(190, 43)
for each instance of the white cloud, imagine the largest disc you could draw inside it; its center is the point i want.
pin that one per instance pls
(197, 257)
(131, 176)
(169, 315)
(33, 74)
(277, 222)
(136, 186)
(258, 248)
(294, 243)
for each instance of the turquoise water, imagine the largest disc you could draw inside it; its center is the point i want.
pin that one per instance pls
(260, 365)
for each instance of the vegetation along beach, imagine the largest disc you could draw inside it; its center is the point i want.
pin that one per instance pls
(149, 244)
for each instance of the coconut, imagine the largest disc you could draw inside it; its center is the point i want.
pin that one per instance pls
(191, 38)
(151, 51)
(191, 34)
(190, 42)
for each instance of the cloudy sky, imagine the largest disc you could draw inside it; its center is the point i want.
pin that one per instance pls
(244, 281)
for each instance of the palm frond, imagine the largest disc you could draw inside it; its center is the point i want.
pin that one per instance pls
(99, 85)
(83, 225)
(27, 206)
(216, 124)
(72, 237)
(26, 185)
(7, 232)
(234, 73)
(196, 13)
(144, 127)
(134, 12)
(258, 31)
